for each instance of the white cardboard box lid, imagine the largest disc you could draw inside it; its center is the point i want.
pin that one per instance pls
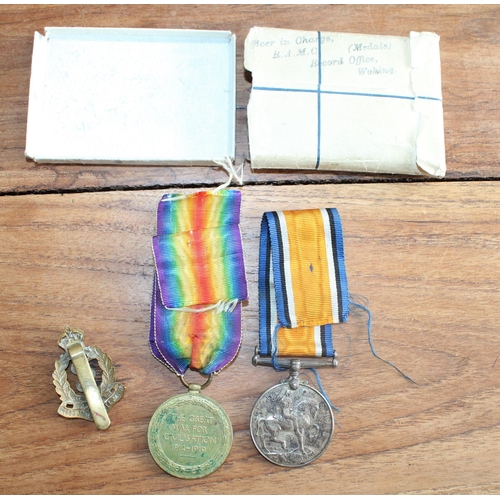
(144, 96)
(342, 101)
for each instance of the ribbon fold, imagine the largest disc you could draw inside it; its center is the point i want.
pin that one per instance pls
(302, 282)
(199, 281)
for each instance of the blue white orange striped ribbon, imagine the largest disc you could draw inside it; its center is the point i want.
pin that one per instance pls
(302, 282)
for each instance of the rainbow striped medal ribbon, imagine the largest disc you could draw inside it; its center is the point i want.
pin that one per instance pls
(198, 287)
(302, 293)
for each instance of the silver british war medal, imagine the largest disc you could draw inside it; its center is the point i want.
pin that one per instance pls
(302, 293)
(291, 423)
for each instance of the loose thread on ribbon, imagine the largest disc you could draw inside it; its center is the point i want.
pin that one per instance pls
(274, 350)
(369, 328)
(277, 367)
(320, 385)
(334, 408)
(232, 171)
(220, 307)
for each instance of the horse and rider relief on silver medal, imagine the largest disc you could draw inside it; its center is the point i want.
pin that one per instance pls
(291, 423)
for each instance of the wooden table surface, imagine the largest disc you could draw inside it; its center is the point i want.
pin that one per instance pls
(75, 250)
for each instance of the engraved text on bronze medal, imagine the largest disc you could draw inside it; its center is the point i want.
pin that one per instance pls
(190, 436)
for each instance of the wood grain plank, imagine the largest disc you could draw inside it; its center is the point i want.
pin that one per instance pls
(426, 255)
(470, 76)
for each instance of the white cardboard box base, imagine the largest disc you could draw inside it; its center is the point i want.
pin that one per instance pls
(141, 96)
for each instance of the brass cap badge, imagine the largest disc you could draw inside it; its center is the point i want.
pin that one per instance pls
(95, 401)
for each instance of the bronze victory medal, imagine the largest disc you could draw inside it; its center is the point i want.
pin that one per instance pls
(190, 435)
(291, 427)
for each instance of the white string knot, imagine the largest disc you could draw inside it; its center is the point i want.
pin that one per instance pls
(220, 307)
(233, 172)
